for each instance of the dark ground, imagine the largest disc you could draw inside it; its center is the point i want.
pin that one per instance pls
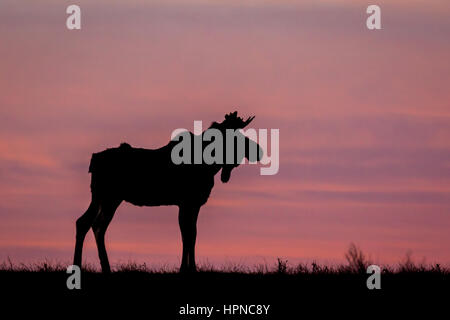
(150, 295)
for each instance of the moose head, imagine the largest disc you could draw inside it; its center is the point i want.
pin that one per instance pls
(236, 145)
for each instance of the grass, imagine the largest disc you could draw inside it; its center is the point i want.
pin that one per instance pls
(356, 264)
(286, 287)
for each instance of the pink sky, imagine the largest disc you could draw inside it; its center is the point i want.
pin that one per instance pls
(364, 119)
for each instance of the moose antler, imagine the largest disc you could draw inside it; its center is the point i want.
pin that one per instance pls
(247, 122)
(231, 115)
(238, 121)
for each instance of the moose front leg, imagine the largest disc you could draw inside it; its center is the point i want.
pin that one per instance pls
(187, 218)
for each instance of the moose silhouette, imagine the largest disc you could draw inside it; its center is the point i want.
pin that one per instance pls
(149, 177)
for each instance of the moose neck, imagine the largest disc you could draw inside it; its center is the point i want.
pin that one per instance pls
(207, 141)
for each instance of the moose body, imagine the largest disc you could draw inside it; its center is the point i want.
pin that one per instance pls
(146, 177)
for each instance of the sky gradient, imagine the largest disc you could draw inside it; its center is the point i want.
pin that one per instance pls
(364, 120)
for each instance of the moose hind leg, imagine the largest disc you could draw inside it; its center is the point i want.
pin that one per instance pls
(99, 228)
(83, 225)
